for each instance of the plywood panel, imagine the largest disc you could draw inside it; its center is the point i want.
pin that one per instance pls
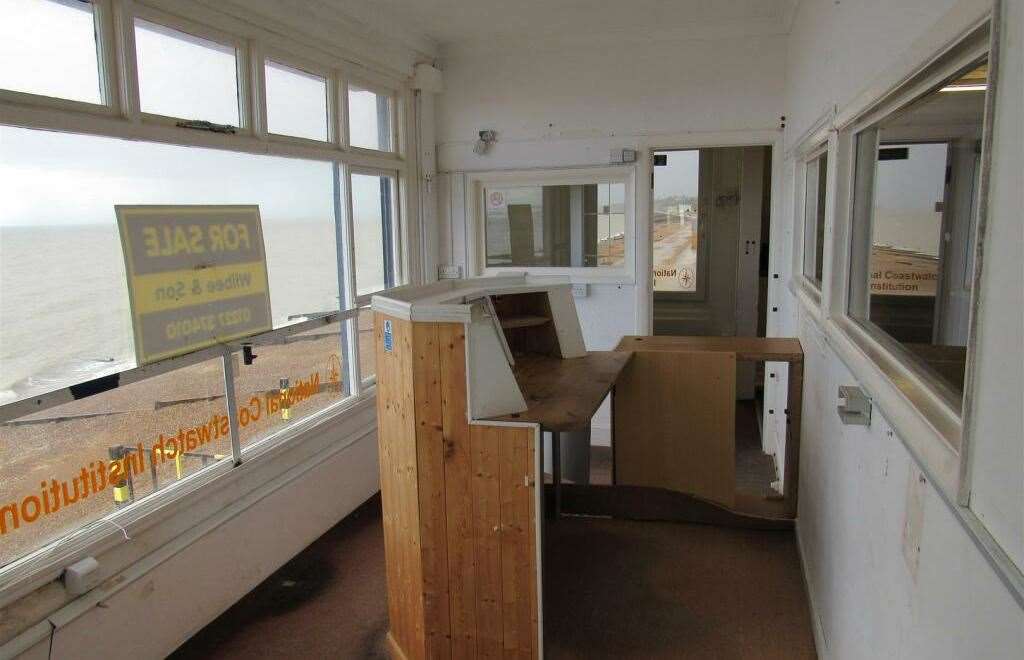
(399, 487)
(430, 470)
(675, 423)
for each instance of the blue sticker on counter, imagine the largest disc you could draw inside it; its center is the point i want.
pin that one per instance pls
(389, 343)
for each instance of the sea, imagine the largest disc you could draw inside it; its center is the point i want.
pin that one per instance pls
(64, 310)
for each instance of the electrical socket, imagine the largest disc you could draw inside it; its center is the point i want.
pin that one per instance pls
(449, 272)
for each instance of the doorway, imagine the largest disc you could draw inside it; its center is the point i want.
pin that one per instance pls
(710, 228)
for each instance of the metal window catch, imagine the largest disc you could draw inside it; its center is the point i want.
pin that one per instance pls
(854, 406)
(247, 355)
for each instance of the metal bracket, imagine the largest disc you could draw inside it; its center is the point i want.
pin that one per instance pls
(854, 406)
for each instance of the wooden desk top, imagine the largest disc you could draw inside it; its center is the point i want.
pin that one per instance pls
(563, 395)
(750, 349)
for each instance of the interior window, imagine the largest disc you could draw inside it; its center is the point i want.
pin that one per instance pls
(48, 47)
(915, 213)
(181, 75)
(296, 102)
(579, 225)
(814, 216)
(369, 119)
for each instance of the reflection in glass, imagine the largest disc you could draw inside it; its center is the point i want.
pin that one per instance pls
(815, 188)
(367, 356)
(915, 212)
(569, 225)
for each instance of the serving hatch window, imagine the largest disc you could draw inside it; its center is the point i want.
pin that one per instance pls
(574, 225)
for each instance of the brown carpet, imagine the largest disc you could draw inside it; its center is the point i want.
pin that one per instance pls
(621, 589)
(613, 589)
(329, 601)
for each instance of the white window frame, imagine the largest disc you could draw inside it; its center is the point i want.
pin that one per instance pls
(476, 247)
(393, 114)
(108, 70)
(909, 397)
(243, 65)
(334, 118)
(811, 239)
(120, 117)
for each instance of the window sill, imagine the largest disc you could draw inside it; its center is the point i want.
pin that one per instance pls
(572, 275)
(922, 419)
(152, 523)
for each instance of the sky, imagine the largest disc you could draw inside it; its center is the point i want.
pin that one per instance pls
(679, 177)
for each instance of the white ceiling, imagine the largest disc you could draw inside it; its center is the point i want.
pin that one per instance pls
(457, 24)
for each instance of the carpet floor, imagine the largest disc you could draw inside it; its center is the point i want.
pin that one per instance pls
(613, 589)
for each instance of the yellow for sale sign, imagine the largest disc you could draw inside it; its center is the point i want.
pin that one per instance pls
(197, 276)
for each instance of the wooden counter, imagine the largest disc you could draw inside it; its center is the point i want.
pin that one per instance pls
(563, 395)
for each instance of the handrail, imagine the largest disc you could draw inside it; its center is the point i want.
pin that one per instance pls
(107, 382)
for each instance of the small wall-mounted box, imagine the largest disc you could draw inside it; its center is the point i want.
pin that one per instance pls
(623, 156)
(854, 406)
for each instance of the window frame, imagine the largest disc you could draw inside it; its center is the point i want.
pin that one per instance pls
(476, 248)
(107, 71)
(120, 117)
(333, 118)
(932, 428)
(243, 65)
(809, 229)
(393, 119)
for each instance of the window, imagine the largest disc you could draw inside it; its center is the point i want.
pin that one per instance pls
(915, 213)
(43, 347)
(78, 462)
(48, 47)
(181, 75)
(289, 379)
(369, 119)
(296, 102)
(676, 218)
(581, 225)
(815, 188)
(373, 231)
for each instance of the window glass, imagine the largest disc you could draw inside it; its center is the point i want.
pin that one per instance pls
(914, 215)
(676, 221)
(288, 380)
(373, 226)
(367, 355)
(296, 102)
(75, 463)
(48, 47)
(57, 197)
(815, 189)
(369, 119)
(181, 75)
(580, 225)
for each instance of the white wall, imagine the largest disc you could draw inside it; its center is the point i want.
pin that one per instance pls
(560, 106)
(892, 571)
